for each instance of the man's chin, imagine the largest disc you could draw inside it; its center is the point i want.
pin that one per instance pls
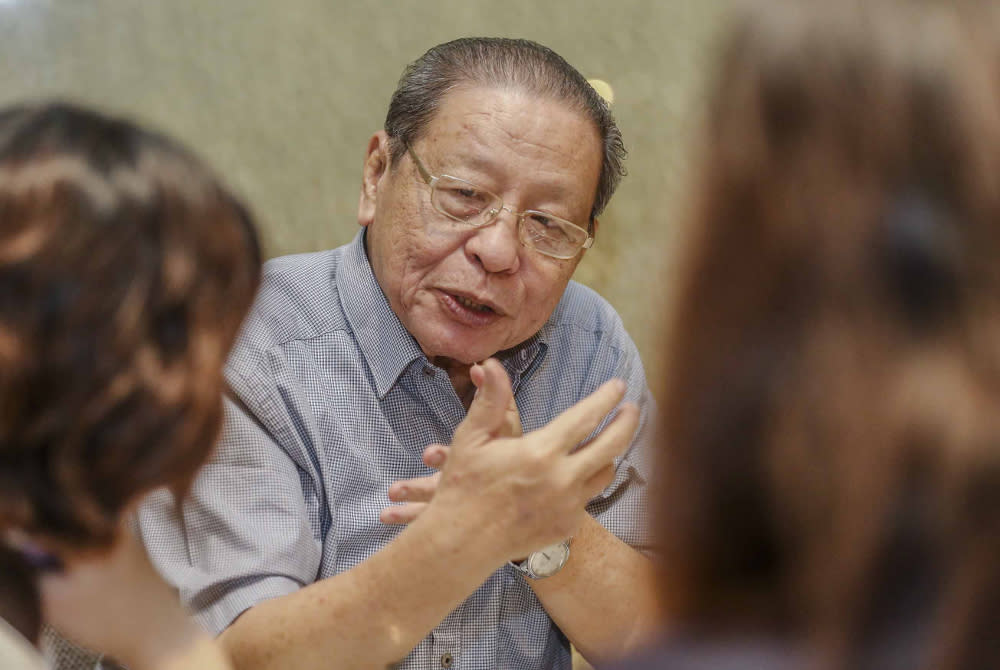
(459, 353)
(459, 359)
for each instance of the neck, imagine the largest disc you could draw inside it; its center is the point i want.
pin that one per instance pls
(458, 373)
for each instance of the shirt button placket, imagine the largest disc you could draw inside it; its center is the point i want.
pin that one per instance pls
(446, 647)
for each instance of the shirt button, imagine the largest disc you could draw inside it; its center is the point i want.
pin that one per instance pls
(429, 371)
(446, 660)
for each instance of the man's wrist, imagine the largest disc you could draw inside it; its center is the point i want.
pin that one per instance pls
(447, 531)
(544, 562)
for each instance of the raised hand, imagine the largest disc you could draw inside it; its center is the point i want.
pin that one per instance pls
(529, 490)
(417, 492)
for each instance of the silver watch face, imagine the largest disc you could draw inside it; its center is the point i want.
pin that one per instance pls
(548, 560)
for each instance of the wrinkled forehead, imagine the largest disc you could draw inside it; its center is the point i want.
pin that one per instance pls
(473, 104)
(508, 134)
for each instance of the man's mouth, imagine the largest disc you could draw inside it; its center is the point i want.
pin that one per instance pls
(469, 311)
(473, 305)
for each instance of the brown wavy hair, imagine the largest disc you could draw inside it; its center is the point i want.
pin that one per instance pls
(126, 269)
(831, 414)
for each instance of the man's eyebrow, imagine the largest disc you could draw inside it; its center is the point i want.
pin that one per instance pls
(480, 169)
(476, 162)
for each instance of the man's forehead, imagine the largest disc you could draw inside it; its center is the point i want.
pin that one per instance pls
(511, 108)
(486, 131)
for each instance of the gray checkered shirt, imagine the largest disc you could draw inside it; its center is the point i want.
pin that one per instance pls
(335, 402)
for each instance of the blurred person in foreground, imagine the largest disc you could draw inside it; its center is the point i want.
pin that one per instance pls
(125, 271)
(830, 472)
(478, 200)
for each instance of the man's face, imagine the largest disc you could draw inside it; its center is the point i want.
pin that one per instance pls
(466, 293)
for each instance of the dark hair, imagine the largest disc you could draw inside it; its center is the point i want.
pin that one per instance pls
(831, 466)
(20, 601)
(125, 271)
(502, 63)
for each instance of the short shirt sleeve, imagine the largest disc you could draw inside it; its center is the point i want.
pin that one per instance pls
(623, 507)
(247, 531)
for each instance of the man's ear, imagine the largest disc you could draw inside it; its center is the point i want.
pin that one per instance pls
(375, 168)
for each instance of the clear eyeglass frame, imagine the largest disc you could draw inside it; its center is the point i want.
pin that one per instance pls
(545, 233)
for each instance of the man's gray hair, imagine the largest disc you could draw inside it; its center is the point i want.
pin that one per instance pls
(506, 63)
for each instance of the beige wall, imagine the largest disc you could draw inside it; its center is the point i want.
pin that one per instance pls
(282, 95)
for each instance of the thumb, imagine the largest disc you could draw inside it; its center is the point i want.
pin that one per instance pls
(488, 413)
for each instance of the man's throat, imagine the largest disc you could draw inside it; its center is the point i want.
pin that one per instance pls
(460, 378)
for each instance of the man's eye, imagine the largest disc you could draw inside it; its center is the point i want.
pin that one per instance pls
(549, 225)
(465, 195)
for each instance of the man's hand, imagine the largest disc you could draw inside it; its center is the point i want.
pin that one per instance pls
(417, 492)
(539, 482)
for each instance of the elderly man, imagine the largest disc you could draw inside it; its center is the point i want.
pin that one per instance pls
(478, 200)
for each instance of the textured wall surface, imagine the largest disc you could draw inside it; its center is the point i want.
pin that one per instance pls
(281, 96)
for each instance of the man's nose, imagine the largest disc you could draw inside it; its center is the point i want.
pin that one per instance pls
(497, 246)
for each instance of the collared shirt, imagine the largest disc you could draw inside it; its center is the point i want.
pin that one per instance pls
(334, 402)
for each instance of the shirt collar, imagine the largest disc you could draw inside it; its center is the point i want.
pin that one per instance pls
(387, 347)
(521, 361)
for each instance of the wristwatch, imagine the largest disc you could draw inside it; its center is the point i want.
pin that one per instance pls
(545, 562)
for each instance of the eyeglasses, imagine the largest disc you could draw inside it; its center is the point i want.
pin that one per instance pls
(466, 203)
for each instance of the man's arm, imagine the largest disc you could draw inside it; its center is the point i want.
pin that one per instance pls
(485, 512)
(374, 614)
(604, 597)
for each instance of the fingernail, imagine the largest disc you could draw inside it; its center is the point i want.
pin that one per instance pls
(435, 459)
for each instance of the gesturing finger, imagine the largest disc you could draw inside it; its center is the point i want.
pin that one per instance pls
(435, 456)
(488, 411)
(398, 514)
(419, 489)
(576, 423)
(612, 442)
